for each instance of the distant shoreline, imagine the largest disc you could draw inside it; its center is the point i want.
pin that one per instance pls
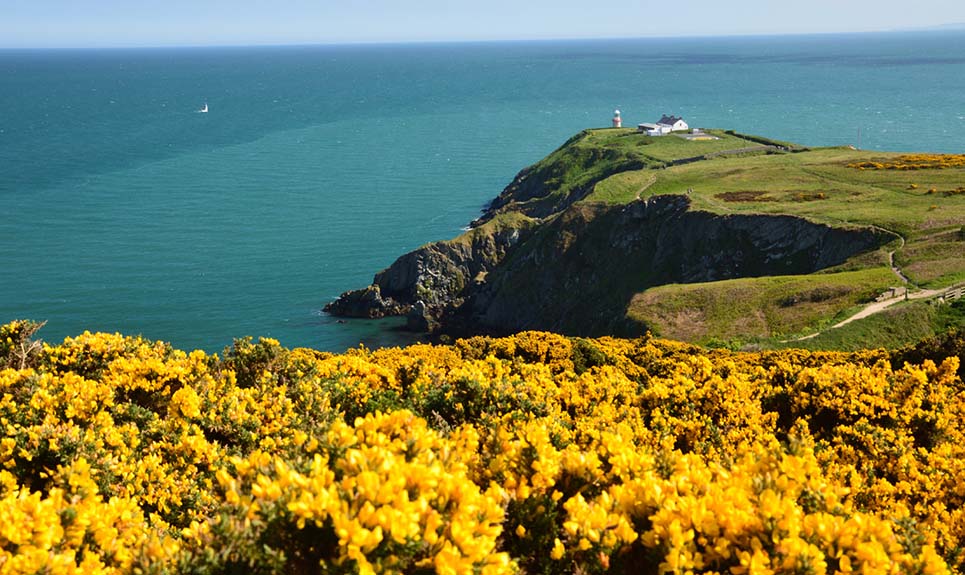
(934, 30)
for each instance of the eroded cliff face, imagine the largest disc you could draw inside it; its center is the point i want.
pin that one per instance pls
(578, 275)
(576, 272)
(425, 282)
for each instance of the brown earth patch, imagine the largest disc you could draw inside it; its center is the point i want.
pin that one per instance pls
(809, 196)
(685, 324)
(745, 196)
(817, 295)
(754, 323)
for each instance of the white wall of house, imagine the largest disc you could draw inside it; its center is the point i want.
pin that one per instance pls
(662, 129)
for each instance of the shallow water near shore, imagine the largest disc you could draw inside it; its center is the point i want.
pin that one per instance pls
(126, 210)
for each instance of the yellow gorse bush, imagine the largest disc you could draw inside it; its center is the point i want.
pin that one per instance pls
(534, 453)
(914, 162)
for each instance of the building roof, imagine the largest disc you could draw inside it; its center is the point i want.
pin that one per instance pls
(669, 120)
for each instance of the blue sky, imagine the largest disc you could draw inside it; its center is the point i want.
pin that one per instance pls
(83, 23)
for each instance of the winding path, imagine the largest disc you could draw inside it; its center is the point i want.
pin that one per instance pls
(873, 307)
(891, 255)
(650, 182)
(879, 306)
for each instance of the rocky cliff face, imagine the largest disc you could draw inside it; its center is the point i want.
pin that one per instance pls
(425, 282)
(577, 272)
(577, 275)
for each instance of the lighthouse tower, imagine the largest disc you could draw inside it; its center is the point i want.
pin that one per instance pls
(617, 122)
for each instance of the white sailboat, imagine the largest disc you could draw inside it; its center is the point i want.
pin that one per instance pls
(204, 110)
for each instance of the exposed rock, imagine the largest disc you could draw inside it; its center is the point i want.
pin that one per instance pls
(420, 319)
(365, 303)
(437, 275)
(579, 274)
(580, 271)
(540, 258)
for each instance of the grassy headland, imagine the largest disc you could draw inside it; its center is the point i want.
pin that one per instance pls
(924, 206)
(737, 239)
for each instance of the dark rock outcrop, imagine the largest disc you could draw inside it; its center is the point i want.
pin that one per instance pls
(420, 319)
(423, 283)
(540, 257)
(576, 273)
(365, 303)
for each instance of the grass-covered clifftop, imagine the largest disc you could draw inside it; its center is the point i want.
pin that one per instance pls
(535, 453)
(737, 239)
(572, 172)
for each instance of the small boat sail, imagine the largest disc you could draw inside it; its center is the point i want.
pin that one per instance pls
(204, 110)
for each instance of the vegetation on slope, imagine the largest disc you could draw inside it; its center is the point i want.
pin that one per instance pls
(615, 226)
(817, 184)
(755, 308)
(572, 171)
(831, 186)
(894, 328)
(535, 453)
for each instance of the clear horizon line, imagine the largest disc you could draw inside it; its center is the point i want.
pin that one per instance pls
(398, 42)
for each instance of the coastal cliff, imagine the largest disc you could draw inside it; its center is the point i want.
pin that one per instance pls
(577, 273)
(574, 240)
(434, 279)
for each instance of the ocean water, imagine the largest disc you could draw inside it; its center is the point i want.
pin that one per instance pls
(124, 209)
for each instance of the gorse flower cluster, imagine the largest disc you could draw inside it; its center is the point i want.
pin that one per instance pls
(914, 162)
(528, 454)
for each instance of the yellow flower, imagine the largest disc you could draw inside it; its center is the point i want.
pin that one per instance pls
(558, 550)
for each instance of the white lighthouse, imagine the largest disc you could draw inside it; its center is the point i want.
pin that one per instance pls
(617, 122)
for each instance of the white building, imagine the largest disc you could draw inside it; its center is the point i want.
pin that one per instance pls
(663, 127)
(650, 129)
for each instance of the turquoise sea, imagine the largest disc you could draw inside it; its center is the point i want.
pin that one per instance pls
(124, 209)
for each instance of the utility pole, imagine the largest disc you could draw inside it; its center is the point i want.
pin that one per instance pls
(859, 137)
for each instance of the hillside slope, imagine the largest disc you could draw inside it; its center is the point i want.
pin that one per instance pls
(619, 233)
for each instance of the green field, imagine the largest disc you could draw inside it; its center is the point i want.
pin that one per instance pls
(756, 308)
(578, 166)
(924, 207)
(585, 264)
(902, 325)
(815, 184)
(661, 148)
